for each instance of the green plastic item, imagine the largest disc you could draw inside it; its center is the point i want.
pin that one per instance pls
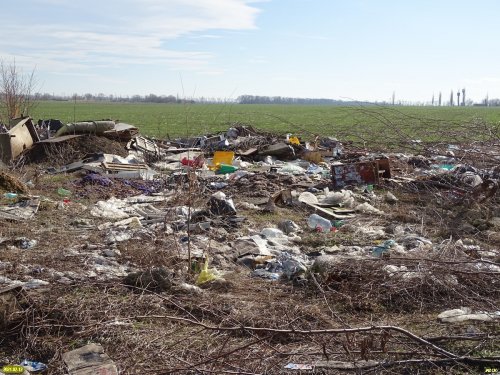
(446, 167)
(338, 223)
(63, 192)
(226, 168)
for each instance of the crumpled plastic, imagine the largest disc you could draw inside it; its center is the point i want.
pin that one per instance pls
(33, 366)
(206, 274)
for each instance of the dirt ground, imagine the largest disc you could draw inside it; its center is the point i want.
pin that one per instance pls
(349, 312)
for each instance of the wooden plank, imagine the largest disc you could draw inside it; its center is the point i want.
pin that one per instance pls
(330, 213)
(123, 167)
(248, 152)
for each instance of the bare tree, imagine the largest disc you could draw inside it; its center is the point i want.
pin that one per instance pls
(458, 98)
(16, 91)
(439, 99)
(451, 98)
(463, 97)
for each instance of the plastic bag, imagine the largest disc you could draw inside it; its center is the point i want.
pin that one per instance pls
(292, 169)
(205, 274)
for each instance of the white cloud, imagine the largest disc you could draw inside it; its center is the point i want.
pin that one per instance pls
(172, 18)
(100, 33)
(258, 60)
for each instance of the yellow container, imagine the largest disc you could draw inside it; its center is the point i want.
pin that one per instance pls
(223, 157)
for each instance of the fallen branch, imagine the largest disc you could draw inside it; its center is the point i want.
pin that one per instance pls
(333, 331)
(365, 365)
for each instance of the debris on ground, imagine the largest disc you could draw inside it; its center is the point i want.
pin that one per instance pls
(88, 360)
(245, 252)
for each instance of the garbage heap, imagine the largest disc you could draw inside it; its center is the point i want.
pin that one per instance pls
(184, 215)
(332, 187)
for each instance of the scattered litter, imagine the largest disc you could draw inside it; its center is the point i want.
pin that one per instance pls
(220, 205)
(18, 139)
(33, 366)
(379, 251)
(35, 283)
(89, 360)
(287, 190)
(391, 198)
(25, 243)
(342, 198)
(367, 208)
(63, 192)
(288, 226)
(360, 173)
(218, 185)
(465, 314)
(111, 209)
(226, 168)
(298, 366)
(265, 274)
(319, 223)
(307, 197)
(222, 157)
(206, 274)
(22, 210)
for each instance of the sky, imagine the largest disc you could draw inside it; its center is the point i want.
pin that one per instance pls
(350, 50)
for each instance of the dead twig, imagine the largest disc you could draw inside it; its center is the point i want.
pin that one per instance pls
(305, 332)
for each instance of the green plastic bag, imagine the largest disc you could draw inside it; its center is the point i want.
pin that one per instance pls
(63, 192)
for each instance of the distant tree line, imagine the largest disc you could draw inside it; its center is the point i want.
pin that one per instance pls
(256, 99)
(150, 98)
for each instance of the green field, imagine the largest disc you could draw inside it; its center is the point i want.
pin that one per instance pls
(359, 123)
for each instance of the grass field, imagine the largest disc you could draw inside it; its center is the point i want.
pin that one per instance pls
(160, 120)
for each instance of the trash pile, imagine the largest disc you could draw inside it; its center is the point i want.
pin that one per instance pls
(184, 215)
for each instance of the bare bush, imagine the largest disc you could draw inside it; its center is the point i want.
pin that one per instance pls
(16, 91)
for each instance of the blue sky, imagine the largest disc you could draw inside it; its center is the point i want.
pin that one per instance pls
(351, 49)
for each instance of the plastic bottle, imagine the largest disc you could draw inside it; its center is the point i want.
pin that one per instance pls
(317, 222)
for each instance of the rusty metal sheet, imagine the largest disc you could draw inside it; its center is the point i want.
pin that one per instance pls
(384, 168)
(18, 139)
